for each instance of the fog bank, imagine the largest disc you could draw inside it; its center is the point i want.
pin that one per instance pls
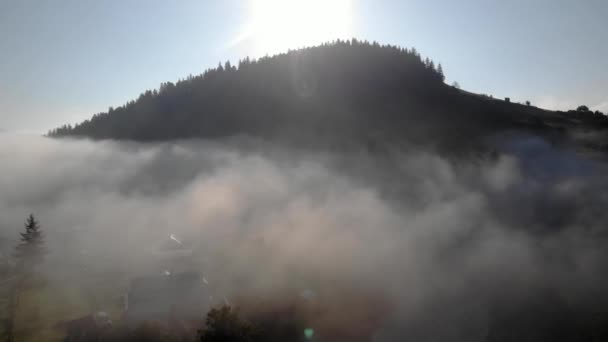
(402, 245)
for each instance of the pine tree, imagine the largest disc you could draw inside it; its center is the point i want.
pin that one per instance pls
(228, 66)
(440, 72)
(29, 253)
(31, 249)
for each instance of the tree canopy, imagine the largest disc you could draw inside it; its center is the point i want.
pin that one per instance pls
(225, 325)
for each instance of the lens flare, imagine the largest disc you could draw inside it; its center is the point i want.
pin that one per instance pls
(309, 333)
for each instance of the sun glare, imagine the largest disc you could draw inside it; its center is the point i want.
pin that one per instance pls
(277, 25)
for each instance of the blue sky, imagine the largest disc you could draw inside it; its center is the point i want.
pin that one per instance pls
(63, 60)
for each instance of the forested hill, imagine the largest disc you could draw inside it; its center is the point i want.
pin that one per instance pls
(344, 92)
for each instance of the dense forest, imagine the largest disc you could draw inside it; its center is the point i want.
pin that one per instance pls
(341, 93)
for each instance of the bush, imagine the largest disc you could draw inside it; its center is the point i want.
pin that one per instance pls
(225, 325)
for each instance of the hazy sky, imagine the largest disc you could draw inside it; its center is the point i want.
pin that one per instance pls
(63, 60)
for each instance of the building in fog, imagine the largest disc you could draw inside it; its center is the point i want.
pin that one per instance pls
(166, 297)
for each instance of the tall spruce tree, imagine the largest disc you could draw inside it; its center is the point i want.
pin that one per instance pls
(440, 72)
(31, 249)
(28, 253)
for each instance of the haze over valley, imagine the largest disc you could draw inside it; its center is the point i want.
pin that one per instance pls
(334, 189)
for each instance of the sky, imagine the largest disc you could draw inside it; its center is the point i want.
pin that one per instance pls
(63, 60)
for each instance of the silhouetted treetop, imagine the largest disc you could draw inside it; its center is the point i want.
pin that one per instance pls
(582, 109)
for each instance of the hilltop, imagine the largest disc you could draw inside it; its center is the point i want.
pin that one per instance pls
(338, 94)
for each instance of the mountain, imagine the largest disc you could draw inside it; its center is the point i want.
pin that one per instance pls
(340, 94)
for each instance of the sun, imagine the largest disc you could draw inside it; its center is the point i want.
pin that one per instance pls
(278, 25)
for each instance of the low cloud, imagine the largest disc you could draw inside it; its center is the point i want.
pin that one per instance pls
(412, 239)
